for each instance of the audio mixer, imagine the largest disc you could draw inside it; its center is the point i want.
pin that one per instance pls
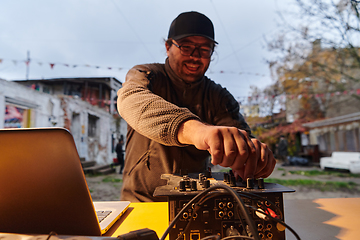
(218, 212)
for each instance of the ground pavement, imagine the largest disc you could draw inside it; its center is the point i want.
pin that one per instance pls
(107, 187)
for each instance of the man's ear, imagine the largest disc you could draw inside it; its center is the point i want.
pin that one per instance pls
(167, 46)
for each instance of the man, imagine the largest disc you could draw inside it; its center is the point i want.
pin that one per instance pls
(120, 153)
(283, 151)
(177, 117)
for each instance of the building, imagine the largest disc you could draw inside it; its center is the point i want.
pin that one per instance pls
(322, 90)
(340, 133)
(84, 106)
(250, 110)
(324, 84)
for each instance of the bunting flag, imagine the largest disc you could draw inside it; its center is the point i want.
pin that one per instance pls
(257, 98)
(239, 73)
(52, 65)
(239, 99)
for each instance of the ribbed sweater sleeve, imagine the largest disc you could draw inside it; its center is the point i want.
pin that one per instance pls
(146, 112)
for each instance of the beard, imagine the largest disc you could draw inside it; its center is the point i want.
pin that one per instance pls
(192, 70)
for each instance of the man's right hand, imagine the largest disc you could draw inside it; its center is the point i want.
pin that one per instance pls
(229, 147)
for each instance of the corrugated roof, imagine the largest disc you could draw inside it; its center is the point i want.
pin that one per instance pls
(332, 121)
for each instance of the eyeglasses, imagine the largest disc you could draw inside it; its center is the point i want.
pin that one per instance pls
(188, 49)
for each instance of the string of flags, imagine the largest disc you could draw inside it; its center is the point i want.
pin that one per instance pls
(52, 66)
(302, 95)
(239, 99)
(240, 73)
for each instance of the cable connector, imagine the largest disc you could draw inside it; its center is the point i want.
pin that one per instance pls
(263, 214)
(141, 234)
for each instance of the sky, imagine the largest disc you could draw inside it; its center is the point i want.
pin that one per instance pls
(105, 38)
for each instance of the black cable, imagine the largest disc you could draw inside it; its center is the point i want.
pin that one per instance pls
(265, 199)
(51, 234)
(216, 237)
(281, 220)
(278, 221)
(181, 212)
(219, 194)
(208, 197)
(185, 229)
(208, 194)
(196, 207)
(241, 204)
(238, 236)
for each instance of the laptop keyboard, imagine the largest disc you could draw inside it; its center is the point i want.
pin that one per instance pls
(102, 215)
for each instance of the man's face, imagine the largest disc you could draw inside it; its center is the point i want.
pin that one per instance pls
(189, 68)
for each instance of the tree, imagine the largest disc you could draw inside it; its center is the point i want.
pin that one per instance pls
(318, 57)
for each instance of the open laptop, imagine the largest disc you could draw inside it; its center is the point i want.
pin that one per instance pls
(43, 188)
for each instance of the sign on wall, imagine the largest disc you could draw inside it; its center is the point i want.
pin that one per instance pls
(16, 117)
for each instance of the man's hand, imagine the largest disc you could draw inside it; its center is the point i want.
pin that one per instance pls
(229, 147)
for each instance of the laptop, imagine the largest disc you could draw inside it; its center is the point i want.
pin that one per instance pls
(43, 188)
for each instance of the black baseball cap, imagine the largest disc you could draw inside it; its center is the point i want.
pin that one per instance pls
(191, 24)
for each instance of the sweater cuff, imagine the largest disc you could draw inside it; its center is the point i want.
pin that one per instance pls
(175, 126)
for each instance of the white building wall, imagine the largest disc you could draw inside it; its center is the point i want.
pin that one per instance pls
(44, 107)
(93, 148)
(2, 104)
(68, 112)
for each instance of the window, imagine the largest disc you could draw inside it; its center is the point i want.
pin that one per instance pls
(332, 141)
(46, 89)
(92, 125)
(341, 139)
(322, 142)
(350, 140)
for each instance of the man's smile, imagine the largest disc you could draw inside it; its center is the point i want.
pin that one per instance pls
(193, 67)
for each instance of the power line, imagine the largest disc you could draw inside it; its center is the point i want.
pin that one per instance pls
(138, 37)
(227, 36)
(248, 44)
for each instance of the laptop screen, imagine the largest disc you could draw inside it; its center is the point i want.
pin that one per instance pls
(42, 184)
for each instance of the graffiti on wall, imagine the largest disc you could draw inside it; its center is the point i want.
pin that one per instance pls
(15, 117)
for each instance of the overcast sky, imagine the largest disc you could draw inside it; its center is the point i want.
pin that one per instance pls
(105, 38)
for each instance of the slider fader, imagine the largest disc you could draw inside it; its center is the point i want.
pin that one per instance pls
(219, 213)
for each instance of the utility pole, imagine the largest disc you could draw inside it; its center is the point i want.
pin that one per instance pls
(27, 65)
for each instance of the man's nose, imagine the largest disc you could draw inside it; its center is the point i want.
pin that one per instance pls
(196, 53)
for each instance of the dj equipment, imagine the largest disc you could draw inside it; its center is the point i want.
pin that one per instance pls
(218, 212)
